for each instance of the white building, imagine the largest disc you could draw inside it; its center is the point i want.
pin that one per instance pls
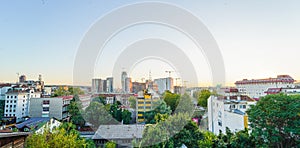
(164, 84)
(17, 103)
(228, 111)
(123, 81)
(256, 88)
(3, 90)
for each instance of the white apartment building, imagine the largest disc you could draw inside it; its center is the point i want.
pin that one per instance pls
(17, 103)
(256, 88)
(228, 111)
(164, 84)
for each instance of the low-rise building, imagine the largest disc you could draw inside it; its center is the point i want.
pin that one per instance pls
(228, 111)
(17, 103)
(123, 135)
(256, 88)
(50, 107)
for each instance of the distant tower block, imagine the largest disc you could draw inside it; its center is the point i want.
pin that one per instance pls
(22, 79)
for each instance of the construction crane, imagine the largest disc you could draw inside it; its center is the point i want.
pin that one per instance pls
(168, 71)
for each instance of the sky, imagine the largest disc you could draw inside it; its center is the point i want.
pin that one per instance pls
(257, 39)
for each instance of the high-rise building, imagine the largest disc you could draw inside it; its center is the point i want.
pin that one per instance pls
(95, 85)
(123, 81)
(22, 79)
(137, 87)
(110, 84)
(128, 85)
(164, 84)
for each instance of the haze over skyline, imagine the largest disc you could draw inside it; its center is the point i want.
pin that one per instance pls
(257, 39)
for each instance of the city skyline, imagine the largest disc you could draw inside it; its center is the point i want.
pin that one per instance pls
(256, 41)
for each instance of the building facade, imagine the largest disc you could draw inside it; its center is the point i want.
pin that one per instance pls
(164, 84)
(50, 107)
(256, 88)
(228, 111)
(17, 103)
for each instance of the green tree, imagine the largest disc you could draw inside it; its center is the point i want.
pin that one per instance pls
(59, 137)
(97, 114)
(185, 105)
(2, 106)
(203, 97)
(275, 121)
(75, 91)
(61, 92)
(110, 144)
(126, 116)
(76, 112)
(159, 107)
(160, 134)
(132, 100)
(171, 99)
(208, 140)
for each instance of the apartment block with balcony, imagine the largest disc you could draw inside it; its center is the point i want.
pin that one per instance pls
(228, 111)
(50, 107)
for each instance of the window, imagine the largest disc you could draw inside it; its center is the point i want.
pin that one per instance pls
(10, 106)
(6, 105)
(11, 101)
(7, 101)
(15, 97)
(11, 96)
(15, 101)
(219, 122)
(7, 97)
(15, 106)
(14, 110)
(45, 109)
(6, 110)
(46, 101)
(23, 100)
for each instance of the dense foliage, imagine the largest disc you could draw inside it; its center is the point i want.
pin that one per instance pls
(275, 121)
(203, 97)
(64, 136)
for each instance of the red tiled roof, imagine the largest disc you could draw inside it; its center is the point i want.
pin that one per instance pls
(243, 98)
(232, 89)
(280, 78)
(273, 91)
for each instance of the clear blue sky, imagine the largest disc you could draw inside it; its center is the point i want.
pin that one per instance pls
(257, 38)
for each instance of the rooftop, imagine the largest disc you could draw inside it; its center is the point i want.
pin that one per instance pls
(279, 78)
(119, 132)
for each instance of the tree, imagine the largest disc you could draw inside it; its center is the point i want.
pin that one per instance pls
(126, 116)
(59, 137)
(132, 100)
(159, 107)
(110, 144)
(173, 132)
(185, 105)
(275, 121)
(171, 99)
(97, 114)
(203, 97)
(75, 91)
(76, 112)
